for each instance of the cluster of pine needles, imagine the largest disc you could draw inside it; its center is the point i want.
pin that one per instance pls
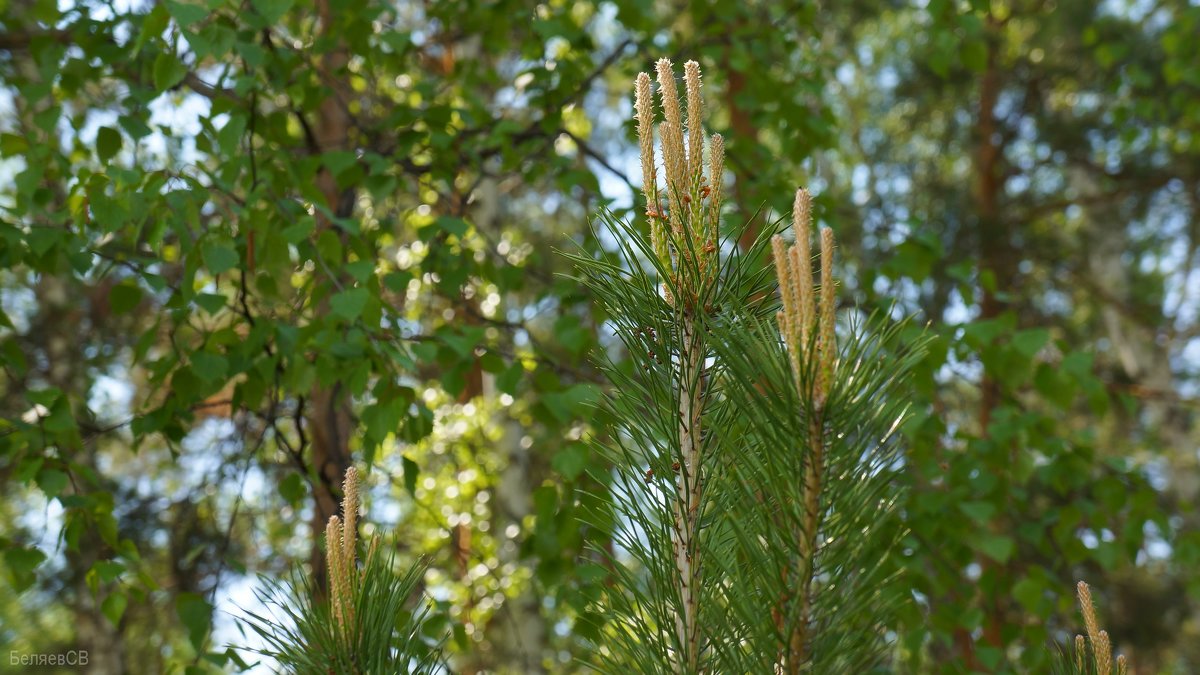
(372, 620)
(1090, 654)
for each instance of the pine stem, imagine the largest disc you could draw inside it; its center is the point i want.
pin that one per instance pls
(690, 247)
(813, 473)
(688, 485)
(800, 319)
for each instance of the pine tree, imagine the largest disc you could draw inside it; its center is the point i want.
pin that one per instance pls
(366, 624)
(755, 456)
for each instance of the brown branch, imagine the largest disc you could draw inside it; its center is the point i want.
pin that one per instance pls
(12, 42)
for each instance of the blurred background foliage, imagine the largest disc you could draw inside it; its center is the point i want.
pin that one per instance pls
(246, 244)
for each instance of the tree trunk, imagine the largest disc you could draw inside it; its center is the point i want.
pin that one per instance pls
(518, 631)
(997, 257)
(328, 415)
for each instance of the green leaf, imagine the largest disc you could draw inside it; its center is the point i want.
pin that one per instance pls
(570, 461)
(108, 143)
(42, 239)
(21, 563)
(329, 245)
(411, 471)
(44, 397)
(272, 10)
(983, 332)
(60, 419)
(1107, 554)
(571, 334)
(590, 573)
(211, 302)
(135, 126)
(456, 226)
(1028, 592)
(294, 234)
(974, 55)
(349, 304)
(168, 71)
(998, 547)
(989, 656)
(545, 501)
(463, 341)
(569, 403)
(1029, 342)
(196, 615)
(11, 356)
(228, 656)
(113, 606)
(1078, 365)
(339, 161)
(107, 212)
(383, 418)
(491, 362)
(397, 282)
(508, 380)
(980, 512)
(1052, 384)
(186, 14)
(230, 135)
(124, 297)
(220, 39)
(360, 270)
(219, 257)
(293, 488)
(941, 54)
(417, 426)
(52, 482)
(12, 145)
(152, 26)
(208, 366)
(107, 570)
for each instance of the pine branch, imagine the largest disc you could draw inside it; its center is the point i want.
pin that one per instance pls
(755, 456)
(365, 626)
(1091, 655)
